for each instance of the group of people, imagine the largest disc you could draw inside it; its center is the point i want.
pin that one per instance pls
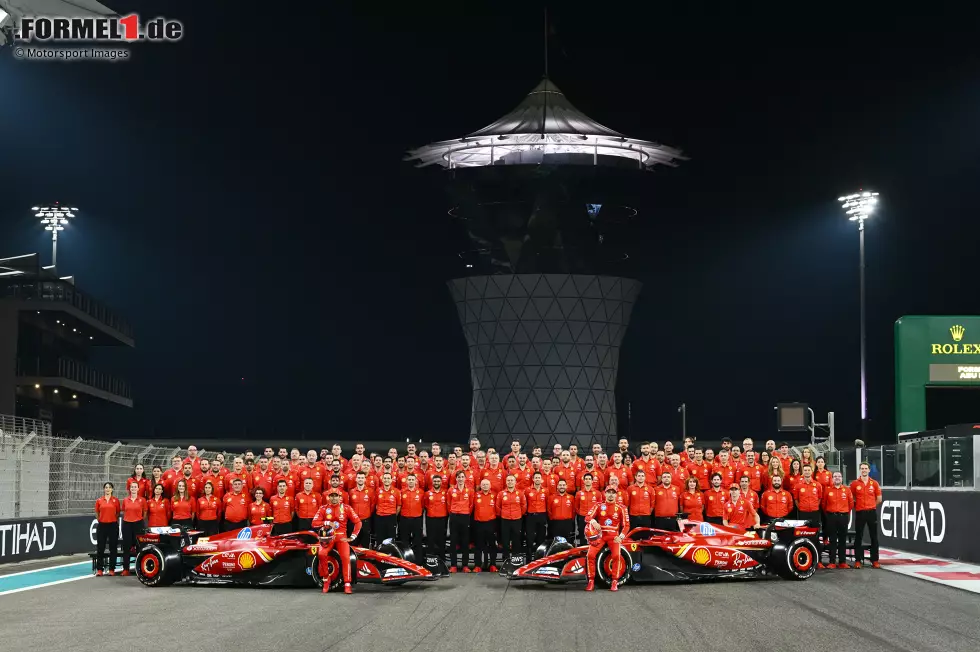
(481, 500)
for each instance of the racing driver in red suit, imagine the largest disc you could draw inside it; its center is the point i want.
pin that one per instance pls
(333, 517)
(613, 522)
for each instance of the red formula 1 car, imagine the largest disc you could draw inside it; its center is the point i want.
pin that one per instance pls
(699, 551)
(251, 556)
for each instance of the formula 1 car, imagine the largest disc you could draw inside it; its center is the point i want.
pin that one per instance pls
(252, 556)
(699, 551)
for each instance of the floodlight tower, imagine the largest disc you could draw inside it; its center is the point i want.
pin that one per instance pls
(54, 218)
(858, 207)
(547, 197)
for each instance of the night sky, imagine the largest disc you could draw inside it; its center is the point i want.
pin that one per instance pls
(245, 204)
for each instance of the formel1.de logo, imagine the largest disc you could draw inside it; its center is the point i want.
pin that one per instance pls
(100, 29)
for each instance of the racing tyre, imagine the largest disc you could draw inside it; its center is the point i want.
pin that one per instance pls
(604, 569)
(154, 567)
(333, 576)
(798, 561)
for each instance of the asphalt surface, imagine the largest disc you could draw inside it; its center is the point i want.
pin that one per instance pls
(836, 611)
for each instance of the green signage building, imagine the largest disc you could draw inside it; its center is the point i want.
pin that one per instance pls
(932, 351)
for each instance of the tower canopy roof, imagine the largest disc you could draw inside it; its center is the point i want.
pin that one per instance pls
(544, 128)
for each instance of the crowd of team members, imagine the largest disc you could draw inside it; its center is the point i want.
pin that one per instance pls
(478, 499)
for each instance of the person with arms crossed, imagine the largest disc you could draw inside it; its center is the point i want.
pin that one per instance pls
(134, 515)
(867, 497)
(107, 510)
(837, 503)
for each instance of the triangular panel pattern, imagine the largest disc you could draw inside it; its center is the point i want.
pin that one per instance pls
(544, 352)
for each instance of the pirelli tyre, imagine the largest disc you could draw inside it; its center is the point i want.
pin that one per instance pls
(156, 566)
(796, 560)
(604, 569)
(333, 574)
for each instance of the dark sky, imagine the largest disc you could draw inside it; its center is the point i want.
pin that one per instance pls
(245, 205)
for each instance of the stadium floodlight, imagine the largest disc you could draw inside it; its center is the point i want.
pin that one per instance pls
(858, 207)
(54, 218)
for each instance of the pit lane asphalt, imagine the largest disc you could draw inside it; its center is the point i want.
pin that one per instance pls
(836, 611)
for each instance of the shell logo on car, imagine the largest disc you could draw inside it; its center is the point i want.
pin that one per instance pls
(701, 556)
(246, 560)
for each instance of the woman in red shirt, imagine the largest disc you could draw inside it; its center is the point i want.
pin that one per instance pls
(806, 459)
(134, 512)
(259, 510)
(822, 475)
(183, 506)
(794, 477)
(156, 477)
(107, 510)
(158, 508)
(692, 501)
(775, 467)
(139, 478)
(208, 511)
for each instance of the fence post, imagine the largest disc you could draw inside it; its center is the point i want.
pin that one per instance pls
(66, 474)
(19, 477)
(108, 455)
(146, 451)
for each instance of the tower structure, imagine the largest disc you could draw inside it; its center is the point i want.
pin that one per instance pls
(546, 196)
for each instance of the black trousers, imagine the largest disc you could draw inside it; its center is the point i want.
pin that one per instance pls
(564, 527)
(837, 530)
(364, 537)
(717, 520)
(869, 518)
(486, 544)
(536, 524)
(579, 530)
(107, 534)
(207, 527)
(281, 528)
(228, 526)
(459, 536)
(641, 521)
(809, 516)
(410, 531)
(510, 536)
(303, 524)
(186, 522)
(435, 535)
(664, 523)
(384, 527)
(129, 533)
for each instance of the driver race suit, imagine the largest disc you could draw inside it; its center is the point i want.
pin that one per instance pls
(614, 520)
(336, 517)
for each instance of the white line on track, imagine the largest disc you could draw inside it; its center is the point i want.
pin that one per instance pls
(41, 586)
(46, 568)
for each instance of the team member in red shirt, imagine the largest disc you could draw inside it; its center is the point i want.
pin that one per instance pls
(307, 503)
(107, 510)
(264, 477)
(776, 502)
(238, 471)
(410, 517)
(234, 507)
(208, 510)
(461, 501)
(282, 510)
(700, 470)
(715, 500)
(666, 503)
(495, 473)
(140, 480)
(739, 511)
(134, 515)
(537, 513)
(837, 503)
(784, 458)
(646, 463)
(617, 469)
(867, 497)
(172, 475)
(613, 520)
(724, 466)
(158, 508)
(259, 510)
(183, 505)
(754, 472)
(822, 475)
(484, 520)
(361, 498)
(561, 513)
(436, 516)
(387, 505)
(692, 501)
(808, 495)
(678, 474)
(333, 518)
(511, 505)
(410, 470)
(639, 499)
(566, 471)
(585, 498)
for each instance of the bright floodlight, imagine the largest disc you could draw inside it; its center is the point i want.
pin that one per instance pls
(54, 218)
(858, 206)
